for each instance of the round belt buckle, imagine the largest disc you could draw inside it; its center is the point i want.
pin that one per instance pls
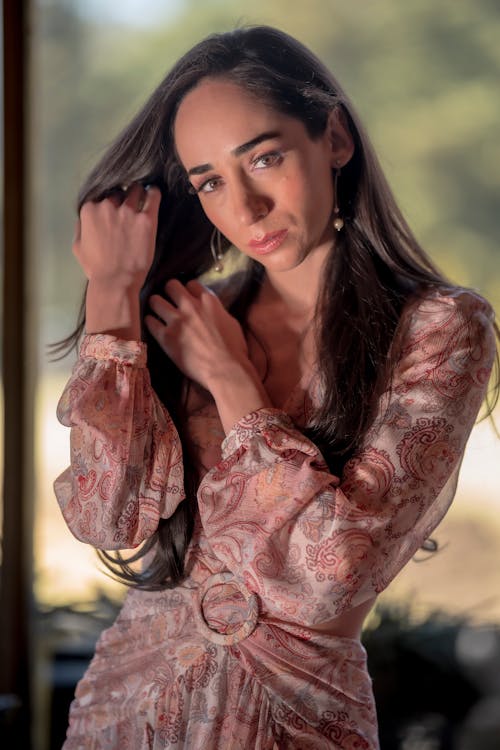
(247, 626)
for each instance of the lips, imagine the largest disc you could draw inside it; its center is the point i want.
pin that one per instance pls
(268, 242)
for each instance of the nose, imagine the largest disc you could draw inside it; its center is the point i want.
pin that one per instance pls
(249, 203)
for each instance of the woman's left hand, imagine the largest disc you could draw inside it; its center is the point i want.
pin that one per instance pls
(207, 344)
(196, 332)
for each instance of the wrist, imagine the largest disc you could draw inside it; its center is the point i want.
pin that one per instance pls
(114, 285)
(112, 309)
(237, 391)
(231, 373)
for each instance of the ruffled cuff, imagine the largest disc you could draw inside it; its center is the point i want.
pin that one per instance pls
(273, 426)
(105, 347)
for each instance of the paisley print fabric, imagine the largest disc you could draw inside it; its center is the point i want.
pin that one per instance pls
(238, 656)
(126, 461)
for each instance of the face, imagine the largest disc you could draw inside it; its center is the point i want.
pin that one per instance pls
(261, 179)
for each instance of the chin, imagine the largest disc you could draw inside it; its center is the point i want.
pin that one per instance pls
(283, 259)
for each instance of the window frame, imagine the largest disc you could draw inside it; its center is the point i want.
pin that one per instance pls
(16, 598)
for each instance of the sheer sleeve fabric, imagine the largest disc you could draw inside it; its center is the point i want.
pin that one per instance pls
(312, 545)
(126, 461)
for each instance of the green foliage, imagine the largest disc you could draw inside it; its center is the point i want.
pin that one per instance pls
(424, 76)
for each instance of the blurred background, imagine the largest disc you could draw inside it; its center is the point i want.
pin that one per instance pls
(425, 78)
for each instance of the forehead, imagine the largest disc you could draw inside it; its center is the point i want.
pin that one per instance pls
(217, 116)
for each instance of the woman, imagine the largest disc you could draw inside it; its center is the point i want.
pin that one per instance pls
(305, 424)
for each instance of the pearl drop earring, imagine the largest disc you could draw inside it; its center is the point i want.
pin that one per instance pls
(216, 250)
(338, 221)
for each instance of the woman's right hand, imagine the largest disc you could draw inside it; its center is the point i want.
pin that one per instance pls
(114, 244)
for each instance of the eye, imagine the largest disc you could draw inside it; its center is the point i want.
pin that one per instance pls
(209, 186)
(267, 160)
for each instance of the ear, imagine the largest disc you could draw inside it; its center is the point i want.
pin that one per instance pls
(340, 140)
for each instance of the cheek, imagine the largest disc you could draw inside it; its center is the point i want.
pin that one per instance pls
(321, 181)
(315, 198)
(324, 198)
(314, 188)
(294, 194)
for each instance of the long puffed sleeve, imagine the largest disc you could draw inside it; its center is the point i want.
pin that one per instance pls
(312, 545)
(126, 461)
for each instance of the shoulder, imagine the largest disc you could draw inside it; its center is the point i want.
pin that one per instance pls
(446, 313)
(446, 303)
(447, 330)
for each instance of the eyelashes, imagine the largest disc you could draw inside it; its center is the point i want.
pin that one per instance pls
(261, 162)
(271, 158)
(204, 187)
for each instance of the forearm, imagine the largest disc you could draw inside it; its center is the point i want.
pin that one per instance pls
(113, 310)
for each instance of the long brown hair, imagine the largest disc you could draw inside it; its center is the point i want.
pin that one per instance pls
(377, 265)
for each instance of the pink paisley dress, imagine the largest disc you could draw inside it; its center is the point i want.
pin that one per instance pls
(232, 658)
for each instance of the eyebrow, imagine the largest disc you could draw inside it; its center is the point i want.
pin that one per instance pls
(238, 151)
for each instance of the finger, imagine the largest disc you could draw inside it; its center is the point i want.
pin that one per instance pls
(135, 197)
(196, 289)
(116, 197)
(161, 307)
(92, 209)
(152, 198)
(86, 211)
(177, 292)
(157, 330)
(77, 234)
